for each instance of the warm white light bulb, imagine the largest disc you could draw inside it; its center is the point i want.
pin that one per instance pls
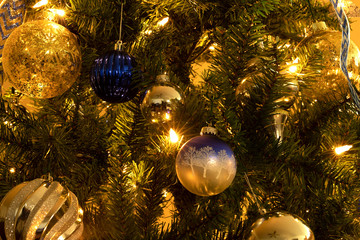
(40, 3)
(148, 32)
(167, 116)
(213, 46)
(163, 21)
(173, 136)
(342, 149)
(59, 12)
(293, 69)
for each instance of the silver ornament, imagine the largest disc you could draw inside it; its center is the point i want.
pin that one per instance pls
(160, 101)
(289, 91)
(280, 226)
(40, 209)
(205, 165)
(278, 120)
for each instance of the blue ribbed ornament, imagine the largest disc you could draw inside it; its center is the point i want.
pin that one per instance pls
(112, 77)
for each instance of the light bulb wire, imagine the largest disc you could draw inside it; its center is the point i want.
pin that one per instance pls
(119, 43)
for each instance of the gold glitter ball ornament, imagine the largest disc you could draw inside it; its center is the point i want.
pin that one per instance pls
(330, 80)
(42, 59)
(40, 209)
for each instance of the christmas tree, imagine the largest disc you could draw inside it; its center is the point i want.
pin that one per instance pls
(265, 74)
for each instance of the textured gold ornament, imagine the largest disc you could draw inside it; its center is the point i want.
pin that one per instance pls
(330, 79)
(40, 209)
(281, 226)
(42, 59)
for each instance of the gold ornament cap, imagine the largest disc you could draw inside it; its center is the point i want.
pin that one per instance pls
(319, 26)
(208, 131)
(162, 78)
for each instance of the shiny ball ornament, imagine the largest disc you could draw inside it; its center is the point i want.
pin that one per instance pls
(280, 226)
(40, 209)
(112, 77)
(205, 165)
(160, 101)
(42, 59)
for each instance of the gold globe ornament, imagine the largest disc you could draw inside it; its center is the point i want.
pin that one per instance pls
(42, 59)
(40, 209)
(280, 226)
(330, 78)
(160, 100)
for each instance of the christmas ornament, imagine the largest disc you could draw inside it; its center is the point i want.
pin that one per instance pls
(42, 59)
(205, 165)
(278, 120)
(160, 100)
(12, 16)
(288, 93)
(345, 27)
(281, 226)
(247, 85)
(244, 87)
(112, 77)
(330, 79)
(40, 209)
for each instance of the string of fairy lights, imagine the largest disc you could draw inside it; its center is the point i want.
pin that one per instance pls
(173, 137)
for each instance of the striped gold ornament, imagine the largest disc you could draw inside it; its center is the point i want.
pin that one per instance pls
(40, 209)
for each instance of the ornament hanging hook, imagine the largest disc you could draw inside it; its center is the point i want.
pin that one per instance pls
(262, 211)
(48, 177)
(119, 43)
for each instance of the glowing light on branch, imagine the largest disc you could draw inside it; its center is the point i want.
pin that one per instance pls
(342, 149)
(163, 21)
(40, 3)
(174, 138)
(294, 67)
(212, 47)
(59, 12)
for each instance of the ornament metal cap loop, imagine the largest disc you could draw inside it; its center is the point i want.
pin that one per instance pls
(47, 178)
(118, 45)
(208, 131)
(162, 78)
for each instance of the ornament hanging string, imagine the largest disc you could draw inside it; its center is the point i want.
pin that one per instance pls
(118, 45)
(262, 210)
(344, 23)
